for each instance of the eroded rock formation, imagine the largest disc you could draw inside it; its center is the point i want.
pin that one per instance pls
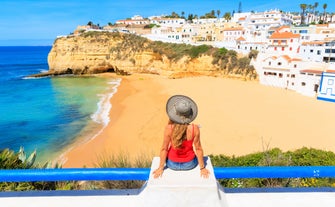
(98, 52)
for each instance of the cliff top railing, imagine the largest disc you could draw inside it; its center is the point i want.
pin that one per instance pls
(174, 188)
(78, 174)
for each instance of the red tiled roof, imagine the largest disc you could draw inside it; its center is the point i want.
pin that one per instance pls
(313, 43)
(311, 71)
(233, 29)
(241, 39)
(284, 35)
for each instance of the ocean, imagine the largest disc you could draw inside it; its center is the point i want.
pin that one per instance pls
(50, 114)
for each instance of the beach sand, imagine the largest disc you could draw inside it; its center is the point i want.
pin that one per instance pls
(236, 118)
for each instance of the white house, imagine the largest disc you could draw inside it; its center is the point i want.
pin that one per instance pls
(283, 41)
(327, 87)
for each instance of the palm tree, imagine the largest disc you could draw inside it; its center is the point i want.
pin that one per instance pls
(316, 4)
(218, 12)
(303, 7)
(190, 17)
(324, 12)
(182, 15)
(212, 13)
(310, 8)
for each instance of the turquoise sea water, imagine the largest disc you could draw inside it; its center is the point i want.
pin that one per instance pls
(48, 114)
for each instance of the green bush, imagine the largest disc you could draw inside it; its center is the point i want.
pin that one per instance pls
(275, 157)
(121, 160)
(11, 160)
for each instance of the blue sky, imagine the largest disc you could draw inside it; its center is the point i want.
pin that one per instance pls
(38, 22)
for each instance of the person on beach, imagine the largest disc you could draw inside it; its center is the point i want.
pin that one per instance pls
(181, 148)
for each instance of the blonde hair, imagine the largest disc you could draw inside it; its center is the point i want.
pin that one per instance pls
(178, 134)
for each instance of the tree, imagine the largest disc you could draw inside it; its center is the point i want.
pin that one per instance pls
(316, 4)
(310, 9)
(174, 15)
(239, 7)
(227, 16)
(190, 17)
(218, 12)
(213, 13)
(303, 8)
(324, 13)
(183, 14)
(209, 15)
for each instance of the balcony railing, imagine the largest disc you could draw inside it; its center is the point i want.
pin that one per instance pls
(76, 174)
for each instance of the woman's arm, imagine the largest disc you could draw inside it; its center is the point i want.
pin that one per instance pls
(200, 153)
(163, 153)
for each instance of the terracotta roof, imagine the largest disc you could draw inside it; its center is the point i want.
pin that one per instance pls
(284, 35)
(241, 19)
(233, 29)
(311, 71)
(322, 25)
(286, 57)
(296, 59)
(313, 43)
(241, 39)
(283, 27)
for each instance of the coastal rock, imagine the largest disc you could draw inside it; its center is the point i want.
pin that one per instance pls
(98, 52)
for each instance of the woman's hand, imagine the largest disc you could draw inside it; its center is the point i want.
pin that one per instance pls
(158, 172)
(204, 173)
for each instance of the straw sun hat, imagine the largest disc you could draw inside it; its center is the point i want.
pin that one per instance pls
(181, 109)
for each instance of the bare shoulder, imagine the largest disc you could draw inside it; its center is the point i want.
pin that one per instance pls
(196, 128)
(168, 129)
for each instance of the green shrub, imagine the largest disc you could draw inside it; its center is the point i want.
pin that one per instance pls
(275, 157)
(121, 160)
(11, 160)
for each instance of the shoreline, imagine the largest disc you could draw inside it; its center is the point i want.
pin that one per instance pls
(115, 138)
(236, 118)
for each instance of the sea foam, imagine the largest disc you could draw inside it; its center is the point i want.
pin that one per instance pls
(101, 116)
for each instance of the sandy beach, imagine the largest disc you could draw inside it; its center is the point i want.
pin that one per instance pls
(236, 118)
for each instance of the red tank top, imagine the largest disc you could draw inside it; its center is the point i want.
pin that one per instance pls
(183, 154)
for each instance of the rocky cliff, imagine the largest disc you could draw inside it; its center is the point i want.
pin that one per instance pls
(96, 52)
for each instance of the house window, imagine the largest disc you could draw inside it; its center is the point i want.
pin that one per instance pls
(303, 83)
(295, 66)
(279, 63)
(283, 48)
(318, 52)
(293, 76)
(269, 62)
(275, 48)
(311, 51)
(280, 75)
